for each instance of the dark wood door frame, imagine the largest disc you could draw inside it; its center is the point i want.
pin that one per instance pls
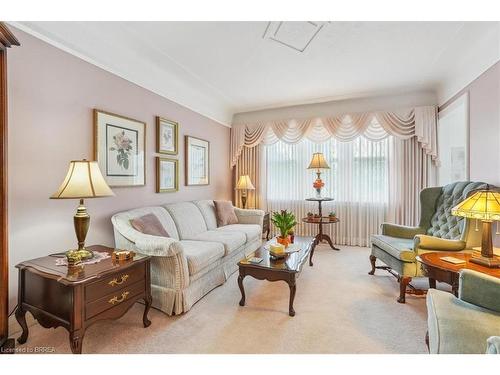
(7, 39)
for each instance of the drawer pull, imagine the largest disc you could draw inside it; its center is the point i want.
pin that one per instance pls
(116, 299)
(116, 282)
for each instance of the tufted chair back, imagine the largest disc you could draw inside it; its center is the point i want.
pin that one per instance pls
(437, 212)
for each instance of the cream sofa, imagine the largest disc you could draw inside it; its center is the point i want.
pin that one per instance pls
(197, 257)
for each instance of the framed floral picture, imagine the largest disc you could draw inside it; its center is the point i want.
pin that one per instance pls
(197, 161)
(119, 148)
(167, 175)
(167, 136)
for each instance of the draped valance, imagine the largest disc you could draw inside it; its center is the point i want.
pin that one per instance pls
(420, 122)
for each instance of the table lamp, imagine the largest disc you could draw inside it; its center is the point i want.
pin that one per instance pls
(244, 184)
(318, 162)
(83, 180)
(483, 205)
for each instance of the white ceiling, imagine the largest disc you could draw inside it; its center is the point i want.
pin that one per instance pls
(222, 68)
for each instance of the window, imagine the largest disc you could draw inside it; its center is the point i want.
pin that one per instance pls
(358, 170)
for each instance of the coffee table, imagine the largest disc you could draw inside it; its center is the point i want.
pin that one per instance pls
(437, 269)
(286, 269)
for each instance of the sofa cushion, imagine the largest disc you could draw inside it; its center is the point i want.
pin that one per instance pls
(161, 214)
(399, 248)
(149, 224)
(251, 231)
(207, 208)
(224, 211)
(230, 239)
(188, 219)
(201, 254)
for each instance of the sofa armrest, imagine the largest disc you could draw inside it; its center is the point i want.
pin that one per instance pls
(400, 231)
(493, 345)
(246, 216)
(425, 242)
(146, 243)
(479, 289)
(158, 246)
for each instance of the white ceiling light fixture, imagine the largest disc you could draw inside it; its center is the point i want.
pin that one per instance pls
(297, 35)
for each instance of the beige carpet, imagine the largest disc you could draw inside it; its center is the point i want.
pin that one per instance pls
(340, 309)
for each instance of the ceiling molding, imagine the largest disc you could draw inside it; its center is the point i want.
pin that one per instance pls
(222, 118)
(218, 69)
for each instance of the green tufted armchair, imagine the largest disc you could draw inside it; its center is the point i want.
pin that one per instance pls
(398, 245)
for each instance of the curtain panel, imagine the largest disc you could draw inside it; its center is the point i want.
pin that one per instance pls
(419, 122)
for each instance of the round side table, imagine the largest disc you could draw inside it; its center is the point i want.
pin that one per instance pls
(437, 269)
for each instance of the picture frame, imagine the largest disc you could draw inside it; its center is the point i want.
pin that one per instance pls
(197, 161)
(120, 149)
(167, 175)
(167, 136)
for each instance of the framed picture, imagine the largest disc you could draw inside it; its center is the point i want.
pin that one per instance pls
(119, 148)
(167, 136)
(197, 161)
(167, 175)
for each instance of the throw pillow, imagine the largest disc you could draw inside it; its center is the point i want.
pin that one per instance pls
(149, 224)
(224, 211)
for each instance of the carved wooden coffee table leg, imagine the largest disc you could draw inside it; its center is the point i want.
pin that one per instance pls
(293, 288)
(21, 319)
(242, 290)
(312, 253)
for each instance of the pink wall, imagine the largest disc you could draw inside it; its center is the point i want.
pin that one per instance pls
(51, 97)
(484, 110)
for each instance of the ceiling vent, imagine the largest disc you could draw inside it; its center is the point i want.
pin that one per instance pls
(295, 35)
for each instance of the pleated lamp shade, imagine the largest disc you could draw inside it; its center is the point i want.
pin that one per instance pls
(83, 180)
(482, 205)
(318, 162)
(244, 183)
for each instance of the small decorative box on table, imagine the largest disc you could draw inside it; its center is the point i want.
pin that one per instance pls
(78, 296)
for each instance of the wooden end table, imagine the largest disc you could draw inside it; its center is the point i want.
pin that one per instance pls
(437, 269)
(76, 297)
(275, 270)
(323, 220)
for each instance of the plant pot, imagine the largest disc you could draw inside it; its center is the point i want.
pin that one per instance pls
(283, 240)
(332, 218)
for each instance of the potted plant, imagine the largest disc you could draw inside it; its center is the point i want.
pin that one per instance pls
(317, 218)
(310, 216)
(284, 221)
(332, 216)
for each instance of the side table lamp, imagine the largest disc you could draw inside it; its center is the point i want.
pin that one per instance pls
(244, 184)
(318, 162)
(83, 180)
(483, 205)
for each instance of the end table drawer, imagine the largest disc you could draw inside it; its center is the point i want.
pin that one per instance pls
(114, 283)
(114, 300)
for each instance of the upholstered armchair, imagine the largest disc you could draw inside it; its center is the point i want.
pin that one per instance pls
(469, 324)
(398, 246)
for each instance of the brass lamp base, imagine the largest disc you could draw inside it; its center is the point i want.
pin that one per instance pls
(81, 222)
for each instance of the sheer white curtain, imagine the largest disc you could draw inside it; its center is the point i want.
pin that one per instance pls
(358, 181)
